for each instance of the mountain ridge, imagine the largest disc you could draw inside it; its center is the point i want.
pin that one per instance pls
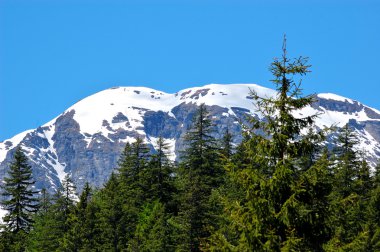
(86, 139)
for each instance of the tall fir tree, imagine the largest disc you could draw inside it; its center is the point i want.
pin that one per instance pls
(46, 230)
(373, 214)
(133, 186)
(349, 195)
(81, 228)
(272, 213)
(152, 230)
(20, 197)
(199, 173)
(20, 201)
(110, 224)
(227, 148)
(346, 171)
(160, 175)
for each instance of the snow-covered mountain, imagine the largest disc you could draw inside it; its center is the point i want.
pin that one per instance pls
(85, 141)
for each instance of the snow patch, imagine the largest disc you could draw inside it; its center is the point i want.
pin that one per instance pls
(15, 141)
(330, 96)
(367, 143)
(171, 146)
(135, 101)
(58, 167)
(2, 214)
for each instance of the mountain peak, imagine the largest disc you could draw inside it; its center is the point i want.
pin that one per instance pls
(85, 141)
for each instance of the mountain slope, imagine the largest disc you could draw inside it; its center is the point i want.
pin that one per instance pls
(85, 141)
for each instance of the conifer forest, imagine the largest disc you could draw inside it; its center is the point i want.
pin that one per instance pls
(281, 189)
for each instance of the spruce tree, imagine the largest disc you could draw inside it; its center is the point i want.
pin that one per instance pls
(273, 212)
(199, 173)
(373, 213)
(46, 231)
(152, 231)
(227, 146)
(20, 198)
(350, 194)
(159, 176)
(63, 206)
(112, 228)
(68, 196)
(347, 166)
(133, 187)
(81, 231)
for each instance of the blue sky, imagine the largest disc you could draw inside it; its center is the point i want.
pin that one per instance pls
(53, 53)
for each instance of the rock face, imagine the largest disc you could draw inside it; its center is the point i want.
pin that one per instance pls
(86, 140)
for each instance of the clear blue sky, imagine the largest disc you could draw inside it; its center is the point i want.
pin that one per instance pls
(53, 53)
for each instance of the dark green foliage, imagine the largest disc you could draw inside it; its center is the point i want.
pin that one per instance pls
(278, 194)
(81, 222)
(109, 218)
(20, 199)
(347, 169)
(152, 231)
(47, 231)
(134, 188)
(227, 146)
(160, 175)
(66, 196)
(199, 173)
(350, 196)
(314, 187)
(53, 221)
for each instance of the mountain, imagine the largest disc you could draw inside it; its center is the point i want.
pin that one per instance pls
(85, 141)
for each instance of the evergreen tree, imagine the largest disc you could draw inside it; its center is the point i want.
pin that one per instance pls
(315, 186)
(275, 207)
(46, 231)
(20, 201)
(227, 147)
(132, 165)
(134, 187)
(346, 170)
(67, 198)
(51, 226)
(81, 232)
(373, 227)
(109, 217)
(44, 201)
(350, 194)
(199, 173)
(159, 176)
(152, 231)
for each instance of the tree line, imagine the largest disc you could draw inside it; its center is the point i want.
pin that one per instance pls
(280, 189)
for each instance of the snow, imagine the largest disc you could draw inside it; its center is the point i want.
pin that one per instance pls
(330, 96)
(58, 167)
(128, 140)
(14, 140)
(91, 111)
(133, 101)
(232, 95)
(368, 143)
(171, 145)
(2, 214)
(47, 134)
(328, 118)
